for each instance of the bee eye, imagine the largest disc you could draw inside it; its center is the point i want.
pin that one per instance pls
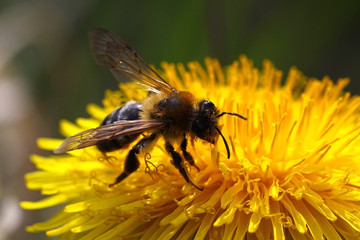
(206, 106)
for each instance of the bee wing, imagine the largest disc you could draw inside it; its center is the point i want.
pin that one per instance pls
(113, 52)
(107, 132)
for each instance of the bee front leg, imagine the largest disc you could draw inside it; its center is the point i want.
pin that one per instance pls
(186, 154)
(132, 162)
(178, 163)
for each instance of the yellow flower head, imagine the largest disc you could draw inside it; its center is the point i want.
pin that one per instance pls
(293, 171)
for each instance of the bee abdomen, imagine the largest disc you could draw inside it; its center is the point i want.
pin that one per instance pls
(130, 111)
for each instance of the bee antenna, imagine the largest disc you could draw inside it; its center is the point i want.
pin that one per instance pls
(231, 113)
(226, 145)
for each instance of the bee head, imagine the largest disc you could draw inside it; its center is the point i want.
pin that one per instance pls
(206, 121)
(205, 124)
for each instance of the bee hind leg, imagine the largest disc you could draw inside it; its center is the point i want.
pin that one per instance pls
(186, 154)
(178, 163)
(132, 162)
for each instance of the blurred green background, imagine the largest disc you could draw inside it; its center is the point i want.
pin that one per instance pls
(47, 72)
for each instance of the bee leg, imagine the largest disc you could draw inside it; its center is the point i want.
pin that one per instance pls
(178, 163)
(132, 162)
(186, 154)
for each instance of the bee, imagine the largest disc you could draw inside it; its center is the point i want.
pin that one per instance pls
(167, 112)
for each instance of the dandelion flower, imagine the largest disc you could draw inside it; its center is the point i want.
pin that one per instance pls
(293, 171)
